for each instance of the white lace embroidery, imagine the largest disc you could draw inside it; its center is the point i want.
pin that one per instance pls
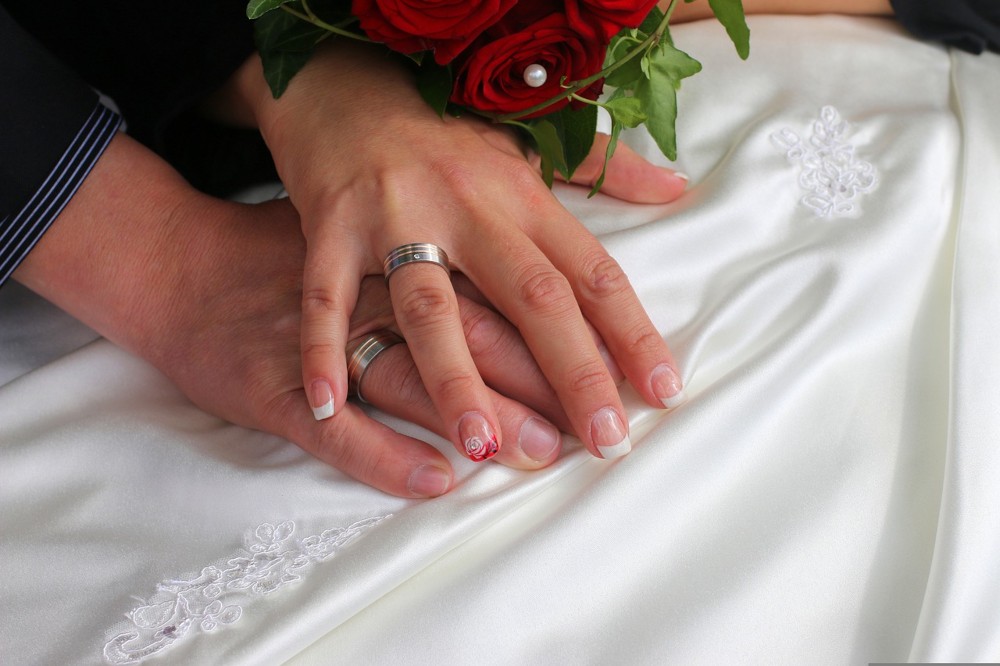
(215, 597)
(832, 175)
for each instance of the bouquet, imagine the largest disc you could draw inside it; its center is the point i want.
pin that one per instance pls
(542, 66)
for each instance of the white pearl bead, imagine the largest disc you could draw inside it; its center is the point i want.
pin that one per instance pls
(535, 75)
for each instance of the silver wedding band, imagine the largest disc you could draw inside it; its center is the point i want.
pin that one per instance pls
(367, 350)
(414, 252)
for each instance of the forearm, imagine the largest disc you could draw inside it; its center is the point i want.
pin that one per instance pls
(700, 10)
(103, 259)
(339, 72)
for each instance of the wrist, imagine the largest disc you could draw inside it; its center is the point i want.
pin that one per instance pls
(238, 100)
(360, 89)
(115, 252)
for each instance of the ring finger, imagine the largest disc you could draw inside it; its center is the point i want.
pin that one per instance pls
(538, 299)
(427, 314)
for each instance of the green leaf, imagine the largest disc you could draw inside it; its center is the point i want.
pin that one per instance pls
(280, 67)
(730, 15)
(285, 43)
(257, 8)
(549, 148)
(661, 118)
(576, 129)
(668, 61)
(626, 74)
(651, 22)
(626, 110)
(281, 31)
(434, 83)
(658, 94)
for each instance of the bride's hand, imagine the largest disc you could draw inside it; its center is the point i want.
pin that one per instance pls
(241, 361)
(370, 167)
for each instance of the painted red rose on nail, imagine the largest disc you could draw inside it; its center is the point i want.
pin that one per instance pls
(491, 77)
(603, 19)
(445, 27)
(479, 449)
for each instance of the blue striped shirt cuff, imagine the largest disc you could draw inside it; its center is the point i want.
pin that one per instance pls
(20, 231)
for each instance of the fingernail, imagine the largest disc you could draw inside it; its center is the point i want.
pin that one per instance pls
(681, 175)
(429, 481)
(667, 386)
(609, 435)
(477, 437)
(321, 399)
(538, 439)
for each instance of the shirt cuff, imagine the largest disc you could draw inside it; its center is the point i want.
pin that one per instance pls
(20, 231)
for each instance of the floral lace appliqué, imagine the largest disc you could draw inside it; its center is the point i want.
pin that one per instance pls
(832, 175)
(214, 598)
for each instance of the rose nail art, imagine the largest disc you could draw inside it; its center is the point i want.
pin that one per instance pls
(477, 437)
(480, 450)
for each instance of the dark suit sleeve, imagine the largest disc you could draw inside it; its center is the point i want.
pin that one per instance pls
(970, 25)
(54, 130)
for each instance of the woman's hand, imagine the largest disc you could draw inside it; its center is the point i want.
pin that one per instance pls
(370, 167)
(235, 352)
(209, 291)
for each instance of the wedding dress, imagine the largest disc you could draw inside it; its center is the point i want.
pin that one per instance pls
(830, 493)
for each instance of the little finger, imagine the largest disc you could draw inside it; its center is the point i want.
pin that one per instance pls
(610, 303)
(629, 176)
(540, 302)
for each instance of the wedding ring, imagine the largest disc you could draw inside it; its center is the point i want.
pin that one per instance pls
(411, 252)
(370, 346)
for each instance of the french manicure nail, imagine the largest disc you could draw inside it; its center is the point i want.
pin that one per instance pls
(477, 437)
(429, 481)
(321, 399)
(681, 175)
(538, 439)
(609, 435)
(667, 386)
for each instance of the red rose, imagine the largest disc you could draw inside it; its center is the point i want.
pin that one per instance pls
(490, 77)
(445, 27)
(603, 19)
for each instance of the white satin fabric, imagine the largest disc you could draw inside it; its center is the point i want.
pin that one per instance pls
(829, 494)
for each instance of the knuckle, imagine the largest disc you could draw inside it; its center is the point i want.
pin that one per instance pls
(318, 299)
(456, 174)
(406, 386)
(641, 340)
(425, 304)
(458, 385)
(524, 174)
(542, 287)
(320, 348)
(525, 179)
(602, 277)
(588, 377)
(320, 303)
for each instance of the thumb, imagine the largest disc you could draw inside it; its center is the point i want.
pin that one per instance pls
(629, 177)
